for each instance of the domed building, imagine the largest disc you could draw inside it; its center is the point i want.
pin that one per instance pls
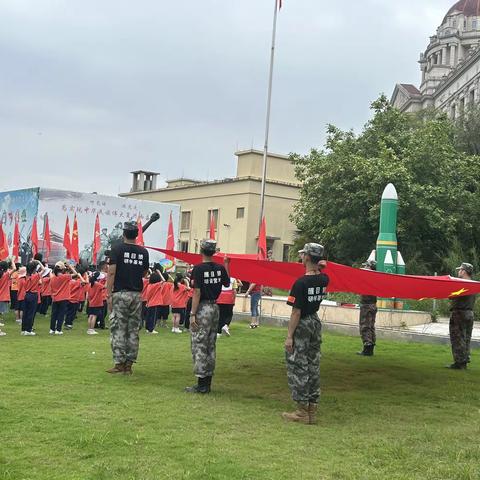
(450, 65)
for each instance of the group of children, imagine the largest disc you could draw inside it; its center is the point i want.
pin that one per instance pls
(65, 289)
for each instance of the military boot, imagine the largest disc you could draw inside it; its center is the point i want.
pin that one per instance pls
(300, 415)
(128, 368)
(208, 383)
(457, 366)
(118, 368)
(201, 387)
(312, 413)
(367, 351)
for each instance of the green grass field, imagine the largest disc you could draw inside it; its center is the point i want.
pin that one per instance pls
(398, 415)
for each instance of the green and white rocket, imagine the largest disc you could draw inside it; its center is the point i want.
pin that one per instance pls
(387, 256)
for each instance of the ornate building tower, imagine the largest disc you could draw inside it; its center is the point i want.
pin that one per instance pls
(449, 65)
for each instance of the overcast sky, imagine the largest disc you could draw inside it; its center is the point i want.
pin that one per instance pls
(92, 89)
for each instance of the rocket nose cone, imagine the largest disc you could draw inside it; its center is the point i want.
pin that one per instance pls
(390, 193)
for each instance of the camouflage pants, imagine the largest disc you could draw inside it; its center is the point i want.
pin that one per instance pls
(204, 339)
(124, 326)
(303, 365)
(368, 312)
(461, 325)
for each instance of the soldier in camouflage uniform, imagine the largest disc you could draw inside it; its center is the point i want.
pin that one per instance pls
(128, 263)
(461, 322)
(303, 341)
(207, 278)
(368, 312)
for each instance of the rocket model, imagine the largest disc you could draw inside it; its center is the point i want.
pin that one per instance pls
(389, 259)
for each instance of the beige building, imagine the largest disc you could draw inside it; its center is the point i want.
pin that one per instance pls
(450, 65)
(234, 203)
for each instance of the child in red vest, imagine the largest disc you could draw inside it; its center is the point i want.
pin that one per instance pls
(180, 294)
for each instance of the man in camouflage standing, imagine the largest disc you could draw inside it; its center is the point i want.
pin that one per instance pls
(461, 322)
(368, 313)
(208, 278)
(128, 263)
(304, 336)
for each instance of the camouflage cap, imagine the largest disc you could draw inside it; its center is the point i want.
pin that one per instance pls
(468, 267)
(372, 264)
(313, 249)
(208, 244)
(130, 227)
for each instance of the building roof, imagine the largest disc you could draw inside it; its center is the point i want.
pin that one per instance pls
(469, 8)
(259, 152)
(412, 89)
(145, 171)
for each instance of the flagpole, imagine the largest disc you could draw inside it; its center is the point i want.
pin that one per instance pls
(269, 107)
(44, 224)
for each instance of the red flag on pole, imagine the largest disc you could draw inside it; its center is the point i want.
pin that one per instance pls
(34, 237)
(96, 241)
(3, 244)
(140, 233)
(66, 239)
(212, 226)
(16, 242)
(262, 241)
(74, 251)
(47, 240)
(170, 238)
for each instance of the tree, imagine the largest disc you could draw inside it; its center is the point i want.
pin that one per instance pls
(438, 188)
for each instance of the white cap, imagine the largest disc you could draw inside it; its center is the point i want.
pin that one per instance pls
(390, 193)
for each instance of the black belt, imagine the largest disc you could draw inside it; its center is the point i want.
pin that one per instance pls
(208, 301)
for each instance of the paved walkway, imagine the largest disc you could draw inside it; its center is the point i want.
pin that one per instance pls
(440, 329)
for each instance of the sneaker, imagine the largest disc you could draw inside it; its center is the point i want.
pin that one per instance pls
(90, 331)
(18, 320)
(153, 332)
(219, 335)
(174, 330)
(226, 330)
(58, 332)
(2, 334)
(51, 332)
(68, 327)
(30, 334)
(23, 332)
(2, 324)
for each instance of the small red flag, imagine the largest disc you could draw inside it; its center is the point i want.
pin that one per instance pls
(212, 226)
(74, 251)
(262, 241)
(34, 237)
(140, 233)
(96, 241)
(47, 240)
(16, 241)
(3, 244)
(170, 238)
(66, 239)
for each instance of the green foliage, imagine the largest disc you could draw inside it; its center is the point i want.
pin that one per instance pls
(438, 186)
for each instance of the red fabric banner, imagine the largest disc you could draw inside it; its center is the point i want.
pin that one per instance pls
(342, 278)
(262, 241)
(96, 240)
(212, 226)
(171, 238)
(66, 239)
(16, 242)
(139, 240)
(47, 240)
(74, 250)
(3, 244)
(34, 237)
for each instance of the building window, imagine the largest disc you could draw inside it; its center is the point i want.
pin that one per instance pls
(472, 97)
(184, 246)
(213, 213)
(186, 218)
(241, 212)
(474, 24)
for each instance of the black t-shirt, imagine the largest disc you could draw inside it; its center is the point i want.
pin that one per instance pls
(132, 262)
(463, 303)
(307, 293)
(209, 278)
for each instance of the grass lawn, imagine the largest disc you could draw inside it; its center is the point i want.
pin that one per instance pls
(398, 415)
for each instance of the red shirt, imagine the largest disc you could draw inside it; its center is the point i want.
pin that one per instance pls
(76, 291)
(154, 294)
(144, 291)
(32, 283)
(227, 295)
(103, 281)
(180, 296)
(5, 287)
(45, 289)
(95, 295)
(21, 289)
(60, 287)
(167, 292)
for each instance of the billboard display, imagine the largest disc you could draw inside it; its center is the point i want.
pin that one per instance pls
(24, 205)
